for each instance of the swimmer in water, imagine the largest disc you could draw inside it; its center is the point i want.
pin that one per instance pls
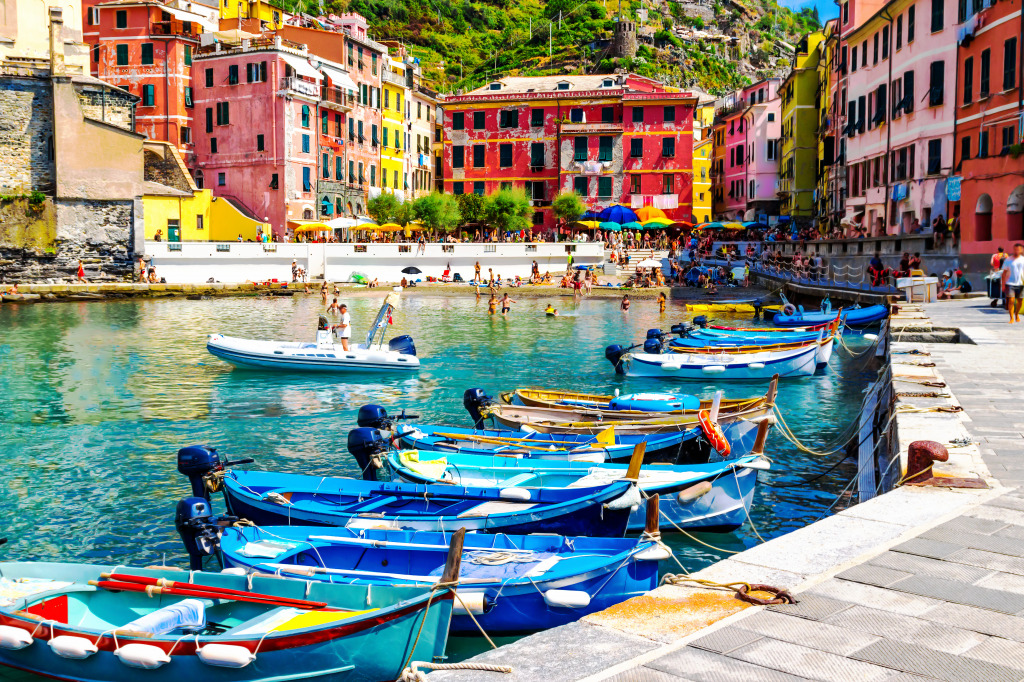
(661, 302)
(550, 311)
(492, 305)
(624, 306)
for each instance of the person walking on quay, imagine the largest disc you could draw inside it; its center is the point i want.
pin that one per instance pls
(506, 304)
(81, 272)
(344, 328)
(142, 269)
(295, 271)
(1013, 281)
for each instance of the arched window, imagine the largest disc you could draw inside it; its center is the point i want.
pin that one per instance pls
(983, 219)
(1015, 215)
(307, 214)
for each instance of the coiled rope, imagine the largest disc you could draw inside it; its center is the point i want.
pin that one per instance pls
(413, 674)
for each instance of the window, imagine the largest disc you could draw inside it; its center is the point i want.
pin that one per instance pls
(324, 126)
(188, 55)
(307, 182)
(773, 149)
(634, 183)
(505, 155)
(604, 188)
(213, 145)
(982, 145)
(373, 63)
(563, 86)
(209, 120)
(509, 119)
(536, 118)
(864, 53)
(908, 92)
(387, 98)
(479, 120)
(458, 188)
(122, 55)
(751, 189)
(965, 148)
(935, 156)
(881, 103)
(305, 116)
(325, 166)
(147, 54)
(935, 85)
(576, 115)
(885, 42)
(580, 149)
(937, 15)
(968, 78)
(188, 97)
(338, 127)
(478, 155)
(259, 143)
(273, 181)
(638, 114)
(636, 148)
(899, 32)
(223, 117)
(1010, 64)
(362, 178)
(121, 19)
(853, 59)
(186, 135)
(668, 147)
(305, 144)
(579, 185)
(209, 78)
(874, 51)
(668, 183)
(910, 24)
(861, 113)
(842, 62)
(607, 114)
(478, 187)
(373, 175)
(148, 95)
(351, 171)
(537, 154)
(670, 114)
(233, 74)
(846, 12)
(458, 156)
(386, 131)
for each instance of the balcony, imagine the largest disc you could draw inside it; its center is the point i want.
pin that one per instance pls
(296, 85)
(393, 78)
(584, 128)
(184, 29)
(336, 98)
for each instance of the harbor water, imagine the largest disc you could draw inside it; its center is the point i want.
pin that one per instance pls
(97, 398)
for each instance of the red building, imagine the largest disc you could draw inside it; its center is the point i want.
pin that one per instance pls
(613, 139)
(147, 48)
(989, 156)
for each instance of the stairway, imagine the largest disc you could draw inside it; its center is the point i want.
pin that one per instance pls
(624, 272)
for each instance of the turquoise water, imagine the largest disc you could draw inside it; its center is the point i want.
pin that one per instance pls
(98, 397)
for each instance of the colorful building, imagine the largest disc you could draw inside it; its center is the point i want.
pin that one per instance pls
(612, 139)
(250, 16)
(761, 130)
(703, 151)
(718, 161)
(146, 48)
(989, 154)
(396, 85)
(798, 160)
(830, 154)
(257, 143)
(730, 125)
(900, 110)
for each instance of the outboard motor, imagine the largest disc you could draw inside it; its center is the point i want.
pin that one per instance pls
(196, 461)
(474, 400)
(654, 334)
(199, 529)
(758, 305)
(373, 417)
(652, 346)
(614, 355)
(681, 329)
(402, 344)
(700, 321)
(367, 445)
(323, 323)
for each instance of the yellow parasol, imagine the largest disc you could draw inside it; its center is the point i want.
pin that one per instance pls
(390, 227)
(300, 227)
(649, 212)
(589, 224)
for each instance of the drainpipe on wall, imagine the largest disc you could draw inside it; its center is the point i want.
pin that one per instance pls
(888, 127)
(1020, 76)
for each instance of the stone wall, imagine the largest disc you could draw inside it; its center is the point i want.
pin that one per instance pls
(165, 170)
(108, 106)
(26, 129)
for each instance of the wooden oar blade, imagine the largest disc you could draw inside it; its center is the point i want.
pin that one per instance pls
(636, 461)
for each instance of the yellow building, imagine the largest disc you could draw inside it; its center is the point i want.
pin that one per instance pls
(703, 150)
(393, 140)
(252, 16)
(179, 211)
(798, 166)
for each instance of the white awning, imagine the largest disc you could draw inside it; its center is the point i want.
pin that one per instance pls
(302, 67)
(339, 77)
(184, 15)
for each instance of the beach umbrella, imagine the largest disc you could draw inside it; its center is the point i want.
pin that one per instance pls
(633, 226)
(649, 263)
(412, 270)
(390, 227)
(614, 227)
(367, 226)
(589, 215)
(617, 214)
(655, 223)
(648, 212)
(588, 224)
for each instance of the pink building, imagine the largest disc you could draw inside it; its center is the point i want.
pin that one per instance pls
(762, 128)
(730, 126)
(257, 139)
(899, 105)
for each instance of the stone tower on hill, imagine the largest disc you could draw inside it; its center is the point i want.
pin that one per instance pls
(625, 39)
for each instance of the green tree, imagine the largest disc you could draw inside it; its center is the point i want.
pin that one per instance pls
(437, 212)
(508, 210)
(471, 208)
(383, 208)
(567, 206)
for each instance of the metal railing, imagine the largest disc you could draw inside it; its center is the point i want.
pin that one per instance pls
(302, 87)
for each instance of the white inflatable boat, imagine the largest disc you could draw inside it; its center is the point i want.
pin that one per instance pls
(326, 353)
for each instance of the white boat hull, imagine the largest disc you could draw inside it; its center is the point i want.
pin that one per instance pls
(758, 366)
(295, 356)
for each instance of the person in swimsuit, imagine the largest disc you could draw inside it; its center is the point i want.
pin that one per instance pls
(334, 307)
(506, 302)
(661, 302)
(624, 306)
(550, 311)
(492, 305)
(323, 292)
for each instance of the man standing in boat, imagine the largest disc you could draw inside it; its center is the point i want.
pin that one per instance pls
(344, 328)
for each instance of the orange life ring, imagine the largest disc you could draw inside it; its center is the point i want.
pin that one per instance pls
(713, 432)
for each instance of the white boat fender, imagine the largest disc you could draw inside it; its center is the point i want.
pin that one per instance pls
(14, 638)
(656, 552)
(759, 464)
(628, 500)
(870, 337)
(693, 492)
(568, 599)
(226, 655)
(756, 365)
(713, 369)
(69, 646)
(514, 494)
(276, 498)
(469, 602)
(145, 656)
(669, 367)
(234, 570)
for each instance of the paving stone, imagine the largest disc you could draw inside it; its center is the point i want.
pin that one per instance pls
(816, 635)
(977, 620)
(1010, 531)
(960, 593)
(909, 563)
(1003, 581)
(706, 666)
(968, 524)
(992, 543)
(645, 674)
(724, 640)
(812, 606)
(875, 597)
(999, 651)
(907, 677)
(941, 637)
(999, 513)
(873, 575)
(936, 549)
(988, 560)
(921, 660)
(1007, 502)
(810, 663)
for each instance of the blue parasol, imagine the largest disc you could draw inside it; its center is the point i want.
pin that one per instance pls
(618, 214)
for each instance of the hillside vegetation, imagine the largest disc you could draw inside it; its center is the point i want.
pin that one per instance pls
(463, 44)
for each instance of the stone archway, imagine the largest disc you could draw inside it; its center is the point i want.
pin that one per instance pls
(1015, 215)
(983, 219)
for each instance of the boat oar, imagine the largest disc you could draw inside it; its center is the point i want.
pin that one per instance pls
(140, 583)
(636, 461)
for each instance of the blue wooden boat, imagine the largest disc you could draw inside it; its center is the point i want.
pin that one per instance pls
(851, 317)
(510, 583)
(707, 338)
(709, 497)
(86, 622)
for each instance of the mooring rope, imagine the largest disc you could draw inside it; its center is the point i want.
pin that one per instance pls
(413, 674)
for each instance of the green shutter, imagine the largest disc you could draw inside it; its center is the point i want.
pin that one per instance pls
(122, 55)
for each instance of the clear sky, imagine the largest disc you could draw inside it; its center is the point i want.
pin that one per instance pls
(827, 9)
